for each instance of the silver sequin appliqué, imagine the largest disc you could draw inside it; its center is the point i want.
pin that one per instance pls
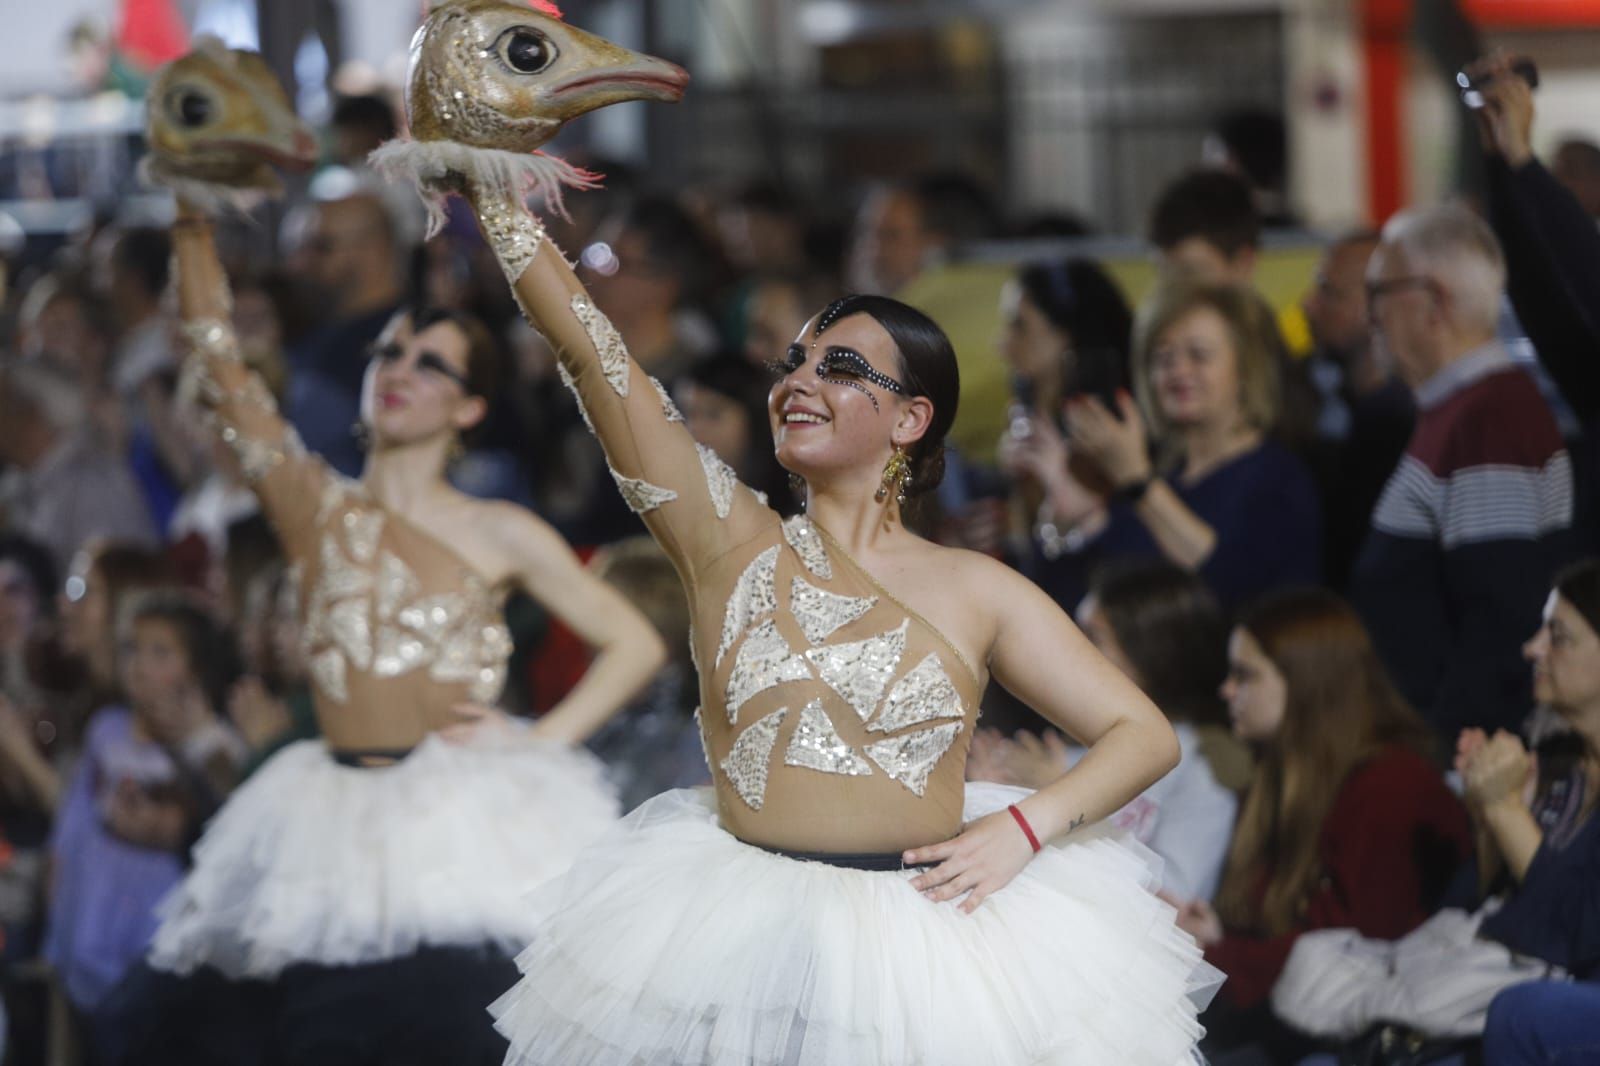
(820, 612)
(911, 758)
(860, 670)
(816, 745)
(607, 342)
(754, 594)
(764, 660)
(807, 543)
(925, 693)
(641, 496)
(374, 618)
(668, 408)
(720, 479)
(746, 765)
(513, 233)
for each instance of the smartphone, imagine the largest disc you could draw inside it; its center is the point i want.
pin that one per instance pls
(1471, 87)
(1021, 410)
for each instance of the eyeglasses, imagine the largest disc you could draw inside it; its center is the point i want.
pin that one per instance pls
(427, 362)
(1379, 289)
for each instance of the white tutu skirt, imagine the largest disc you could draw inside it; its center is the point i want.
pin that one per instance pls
(314, 862)
(671, 943)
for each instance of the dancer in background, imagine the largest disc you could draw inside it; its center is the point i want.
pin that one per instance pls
(375, 877)
(841, 662)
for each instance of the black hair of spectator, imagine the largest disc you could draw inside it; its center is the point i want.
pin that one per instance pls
(1213, 205)
(1579, 585)
(1585, 153)
(144, 253)
(294, 318)
(675, 246)
(730, 374)
(213, 657)
(1173, 632)
(366, 112)
(36, 562)
(956, 206)
(1258, 141)
(927, 368)
(1079, 299)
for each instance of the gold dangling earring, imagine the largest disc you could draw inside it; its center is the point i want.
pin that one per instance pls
(894, 477)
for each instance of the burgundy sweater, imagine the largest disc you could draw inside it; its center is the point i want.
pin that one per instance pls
(1391, 842)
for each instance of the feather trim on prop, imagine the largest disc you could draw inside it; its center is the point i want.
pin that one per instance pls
(432, 166)
(209, 196)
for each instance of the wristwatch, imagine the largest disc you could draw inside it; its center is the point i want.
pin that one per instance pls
(1133, 491)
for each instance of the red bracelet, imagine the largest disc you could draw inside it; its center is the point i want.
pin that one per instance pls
(1027, 830)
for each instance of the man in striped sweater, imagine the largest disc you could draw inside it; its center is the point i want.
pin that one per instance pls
(1477, 517)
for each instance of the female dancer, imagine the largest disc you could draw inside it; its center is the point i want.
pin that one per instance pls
(379, 875)
(841, 661)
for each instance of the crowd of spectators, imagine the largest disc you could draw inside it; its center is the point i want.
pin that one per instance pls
(1343, 573)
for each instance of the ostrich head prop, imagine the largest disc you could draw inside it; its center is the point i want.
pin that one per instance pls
(491, 81)
(217, 122)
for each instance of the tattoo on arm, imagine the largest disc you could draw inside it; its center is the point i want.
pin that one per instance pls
(1075, 823)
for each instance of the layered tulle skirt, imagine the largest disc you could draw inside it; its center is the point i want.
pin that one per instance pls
(672, 943)
(311, 861)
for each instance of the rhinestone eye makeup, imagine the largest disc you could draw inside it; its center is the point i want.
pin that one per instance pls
(839, 366)
(843, 363)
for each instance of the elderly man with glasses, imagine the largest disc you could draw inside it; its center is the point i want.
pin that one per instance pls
(1478, 514)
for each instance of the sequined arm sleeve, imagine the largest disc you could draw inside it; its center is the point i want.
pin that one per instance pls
(238, 403)
(690, 499)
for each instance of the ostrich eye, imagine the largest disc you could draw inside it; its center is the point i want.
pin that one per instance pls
(191, 107)
(526, 51)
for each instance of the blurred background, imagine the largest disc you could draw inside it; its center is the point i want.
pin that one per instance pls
(1074, 190)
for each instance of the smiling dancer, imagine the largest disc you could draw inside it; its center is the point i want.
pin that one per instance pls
(375, 877)
(841, 663)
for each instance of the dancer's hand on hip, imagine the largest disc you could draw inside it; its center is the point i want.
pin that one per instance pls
(979, 862)
(477, 724)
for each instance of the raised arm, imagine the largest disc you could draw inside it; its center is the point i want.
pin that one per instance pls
(287, 480)
(690, 499)
(217, 122)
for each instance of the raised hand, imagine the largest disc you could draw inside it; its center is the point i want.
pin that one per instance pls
(1505, 121)
(259, 716)
(1117, 442)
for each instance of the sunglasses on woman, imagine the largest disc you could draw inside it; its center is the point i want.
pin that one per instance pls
(428, 362)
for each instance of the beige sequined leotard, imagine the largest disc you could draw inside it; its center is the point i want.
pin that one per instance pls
(834, 719)
(396, 627)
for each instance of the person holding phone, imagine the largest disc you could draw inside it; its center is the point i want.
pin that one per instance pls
(1066, 333)
(1195, 474)
(1551, 242)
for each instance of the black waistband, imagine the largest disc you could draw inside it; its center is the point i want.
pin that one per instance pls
(876, 862)
(368, 758)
